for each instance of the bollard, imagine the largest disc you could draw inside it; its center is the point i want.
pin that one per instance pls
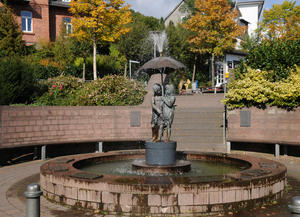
(43, 153)
(99, 147)
(294, 207)
(32, 194)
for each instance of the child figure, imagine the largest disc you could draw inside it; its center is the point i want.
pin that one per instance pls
(168, 108)
(157, 118)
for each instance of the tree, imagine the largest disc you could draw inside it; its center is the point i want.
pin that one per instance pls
(102, 20)
(10, 34)
(82, 49)
(179, 47)
(17, 83)
(277, 56)
(63, 54)
(282, 21)
(189, 6)
(135, 44)
(214, 28)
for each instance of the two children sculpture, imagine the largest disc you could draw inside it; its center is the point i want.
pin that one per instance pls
(162, 112)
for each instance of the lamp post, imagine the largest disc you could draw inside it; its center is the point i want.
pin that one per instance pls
(131, 61)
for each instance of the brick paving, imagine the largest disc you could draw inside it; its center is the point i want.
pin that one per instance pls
(11, 205)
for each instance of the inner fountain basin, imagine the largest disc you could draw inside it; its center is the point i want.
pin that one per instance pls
(258, 180)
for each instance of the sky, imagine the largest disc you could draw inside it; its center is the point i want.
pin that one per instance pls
(161, 8)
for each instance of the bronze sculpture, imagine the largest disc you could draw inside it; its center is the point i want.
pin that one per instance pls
(168, 112)
(162, 112)
(157, 118)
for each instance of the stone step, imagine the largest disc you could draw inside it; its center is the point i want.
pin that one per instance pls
(198, 125)
(200, 139)
(209, 147)
(204, 115)
(196, 132)
(199, 109)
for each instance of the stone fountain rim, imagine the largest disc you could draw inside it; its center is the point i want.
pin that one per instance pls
(259, 170)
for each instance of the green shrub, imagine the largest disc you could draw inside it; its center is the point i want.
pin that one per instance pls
(10, 34)
(255, 89)
(61, 91)
(111, 90)
(17, 83)
(277, 56)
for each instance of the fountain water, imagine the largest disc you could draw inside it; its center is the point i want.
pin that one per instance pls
(159, 39)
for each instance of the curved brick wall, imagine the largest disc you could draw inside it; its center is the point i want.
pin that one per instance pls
(25, 125)
(270, 125)
(161, 195)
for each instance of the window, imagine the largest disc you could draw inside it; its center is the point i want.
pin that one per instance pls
(26, 17)
(67, 22)
(236, 63)
(183, 18)
(66, 0)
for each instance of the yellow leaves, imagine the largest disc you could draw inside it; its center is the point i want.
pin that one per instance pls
(254, 89)
(213, 22)
(282, 21)
(105, 19)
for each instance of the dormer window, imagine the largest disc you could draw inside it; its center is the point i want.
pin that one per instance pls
(26, 19)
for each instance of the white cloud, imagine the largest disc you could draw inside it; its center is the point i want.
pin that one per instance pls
(156, 8)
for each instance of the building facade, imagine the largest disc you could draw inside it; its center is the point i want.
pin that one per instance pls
(41, 20)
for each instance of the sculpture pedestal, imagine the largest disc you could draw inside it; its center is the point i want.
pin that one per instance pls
(180, 166)
(160, 153)
(161, 158)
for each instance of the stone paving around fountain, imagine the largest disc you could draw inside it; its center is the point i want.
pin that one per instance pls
(11, 204)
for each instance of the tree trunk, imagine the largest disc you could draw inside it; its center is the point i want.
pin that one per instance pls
(194, 70)
(83, 69)
(213, 69)
(125, 70)
(94, 58)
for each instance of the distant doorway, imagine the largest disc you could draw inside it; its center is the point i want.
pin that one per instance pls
(219, 74)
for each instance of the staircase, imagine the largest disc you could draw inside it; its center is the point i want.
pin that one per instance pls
(198, 123)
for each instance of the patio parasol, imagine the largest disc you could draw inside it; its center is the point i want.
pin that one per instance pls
(162, 63)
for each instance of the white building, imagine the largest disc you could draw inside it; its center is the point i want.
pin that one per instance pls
(249, 14)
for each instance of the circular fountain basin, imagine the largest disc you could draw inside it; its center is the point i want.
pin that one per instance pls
(250, 180)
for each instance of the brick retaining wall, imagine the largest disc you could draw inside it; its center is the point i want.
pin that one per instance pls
(271, 125)
(25, 125)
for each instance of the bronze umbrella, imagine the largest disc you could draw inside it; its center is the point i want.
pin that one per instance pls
(162, 63)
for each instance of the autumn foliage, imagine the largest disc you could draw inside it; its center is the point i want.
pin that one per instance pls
(99, 20)
(282, 21)
(103, 19)
(214, 26)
